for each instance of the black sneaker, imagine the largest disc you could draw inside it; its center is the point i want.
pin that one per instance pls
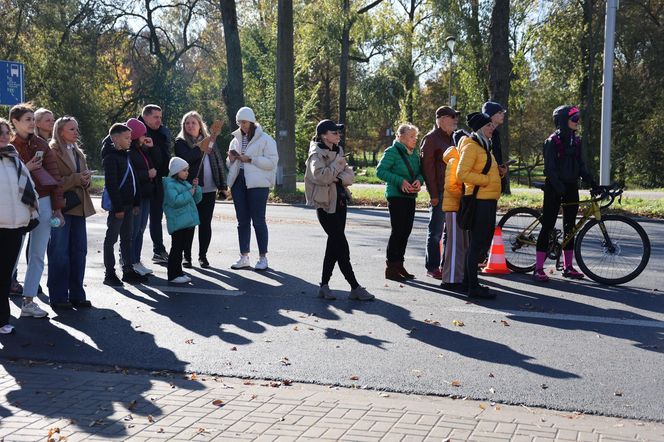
(204, 263)
(481, 292)
(160, 258)
(61, 305)
(133, 277)
(83, 303)
(111, 279)
(186, 263)
(454, 287)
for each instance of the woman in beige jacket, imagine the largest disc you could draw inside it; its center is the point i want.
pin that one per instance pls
(68, 247)
(326, 182)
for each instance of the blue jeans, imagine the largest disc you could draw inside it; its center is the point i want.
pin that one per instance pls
(250, 207)
(140, 223)
(434, 259)
(37, 249)
(67, 252)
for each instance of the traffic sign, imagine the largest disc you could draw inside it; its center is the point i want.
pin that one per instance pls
(11, 83)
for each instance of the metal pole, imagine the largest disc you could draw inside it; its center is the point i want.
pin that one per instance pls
(607, 93)
(451, 73)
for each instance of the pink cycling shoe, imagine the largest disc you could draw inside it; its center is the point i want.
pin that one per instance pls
(540, 276)
(572, 273)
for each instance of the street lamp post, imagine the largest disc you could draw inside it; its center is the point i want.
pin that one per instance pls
(451, 41)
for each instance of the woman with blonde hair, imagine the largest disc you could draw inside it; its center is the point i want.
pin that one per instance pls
(195, 144)
(44, 122)
(68, 247)
(400, 169)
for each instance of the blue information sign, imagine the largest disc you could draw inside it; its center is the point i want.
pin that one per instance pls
(11, 83)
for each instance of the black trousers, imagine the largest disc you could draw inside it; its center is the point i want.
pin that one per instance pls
(156, 216)
(402, 214)
(550, 209)
(11, 243)
(480, 238)
(122, 228)
(205, 212)
(179, 241)
(337, 249)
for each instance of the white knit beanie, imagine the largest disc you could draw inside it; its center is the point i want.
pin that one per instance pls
(176, 165)
(246, 114)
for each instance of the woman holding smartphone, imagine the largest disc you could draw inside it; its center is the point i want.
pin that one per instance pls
(67, 249)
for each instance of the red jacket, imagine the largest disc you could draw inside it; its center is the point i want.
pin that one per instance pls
(433, 147)
(26, 151)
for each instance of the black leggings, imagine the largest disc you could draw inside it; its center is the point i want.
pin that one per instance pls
(480, 238)
(402, 214)
(550, 210)
(205, 212)
(337, 250)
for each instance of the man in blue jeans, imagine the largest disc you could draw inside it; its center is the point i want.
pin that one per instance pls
(433, 146)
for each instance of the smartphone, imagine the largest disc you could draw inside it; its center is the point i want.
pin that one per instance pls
(510, 162)
(39, 154)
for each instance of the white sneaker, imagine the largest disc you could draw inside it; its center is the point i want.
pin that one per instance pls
(242, 263)
(32, 309)
(180, 280)
(261, 264)
(185, 276)
(6, 329)
(141, 269)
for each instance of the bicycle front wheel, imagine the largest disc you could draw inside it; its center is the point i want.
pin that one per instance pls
(612, 251)
(521, 227)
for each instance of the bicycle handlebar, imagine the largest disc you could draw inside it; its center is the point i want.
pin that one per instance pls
(610, 192)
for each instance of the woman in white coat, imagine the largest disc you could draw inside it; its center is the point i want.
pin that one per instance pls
(252, 166)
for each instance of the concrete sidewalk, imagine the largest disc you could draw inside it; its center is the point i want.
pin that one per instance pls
(76, 403)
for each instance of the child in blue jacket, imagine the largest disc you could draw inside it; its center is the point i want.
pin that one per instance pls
(180, 199)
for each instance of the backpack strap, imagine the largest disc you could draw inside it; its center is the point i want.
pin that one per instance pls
(405, 160)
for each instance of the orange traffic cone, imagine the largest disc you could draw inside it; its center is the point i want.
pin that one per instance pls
(497, 264)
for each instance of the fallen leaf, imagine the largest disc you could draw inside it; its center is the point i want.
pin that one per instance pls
(458, 323)
(544, 386)
(354, 378)
(505, 323)
(491, 375)
(189, 341)
(248, 383)
(483, 407)
(295, 328)
(150, 418)
(233, 348)
(287, 382)
(218, 402)
(161, 430)
(431, 321)
(131, 405)
(253, 396)
(192, 377)
(618, 393)
(275, 384)
(456, 383)
(492, 390)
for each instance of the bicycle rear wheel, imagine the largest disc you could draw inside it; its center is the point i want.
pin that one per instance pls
(521, 227)
(614, 258)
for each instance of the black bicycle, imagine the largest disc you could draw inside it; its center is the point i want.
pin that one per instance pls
(611, 249)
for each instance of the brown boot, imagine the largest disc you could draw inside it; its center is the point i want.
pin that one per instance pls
(392, 271)
(404, 273)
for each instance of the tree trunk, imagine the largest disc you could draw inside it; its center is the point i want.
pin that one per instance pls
(233, 92)
(588, 55)
(343, 68)
(501, 69)
(285, 112)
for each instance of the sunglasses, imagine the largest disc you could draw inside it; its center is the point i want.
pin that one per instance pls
(574, 118)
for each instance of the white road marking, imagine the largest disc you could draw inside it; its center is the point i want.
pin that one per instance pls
(652, 323)
(194, 291)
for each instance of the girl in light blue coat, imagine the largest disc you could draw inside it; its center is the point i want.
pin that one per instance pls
(180, 199)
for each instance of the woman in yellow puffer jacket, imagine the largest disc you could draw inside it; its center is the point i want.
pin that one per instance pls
(456, 239)
(475, 153)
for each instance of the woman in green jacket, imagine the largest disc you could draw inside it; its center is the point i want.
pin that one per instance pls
(400, 169)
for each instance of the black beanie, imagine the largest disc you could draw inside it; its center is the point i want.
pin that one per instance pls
(477, 120)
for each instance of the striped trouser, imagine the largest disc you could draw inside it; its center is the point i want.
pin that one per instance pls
(456, 246)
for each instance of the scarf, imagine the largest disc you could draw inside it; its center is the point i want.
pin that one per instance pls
(482, 140)
(25, 189)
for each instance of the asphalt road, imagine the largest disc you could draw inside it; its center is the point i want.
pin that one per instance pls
(565, 345)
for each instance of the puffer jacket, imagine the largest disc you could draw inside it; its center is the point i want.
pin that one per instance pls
(323, 166)
(393, 170)
(262, 170)
(26, 150)
(469, 170)
(453, 190)
(14, 213)
(180, 205)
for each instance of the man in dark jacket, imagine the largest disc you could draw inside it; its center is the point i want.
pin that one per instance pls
(121, 185)
(160, 154)
(497, 114)
(433, 146)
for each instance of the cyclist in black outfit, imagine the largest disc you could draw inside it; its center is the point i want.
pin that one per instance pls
(563, 165)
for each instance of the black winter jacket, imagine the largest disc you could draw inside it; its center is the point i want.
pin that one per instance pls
(161, 152)
(115, 166)
(142, 163)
